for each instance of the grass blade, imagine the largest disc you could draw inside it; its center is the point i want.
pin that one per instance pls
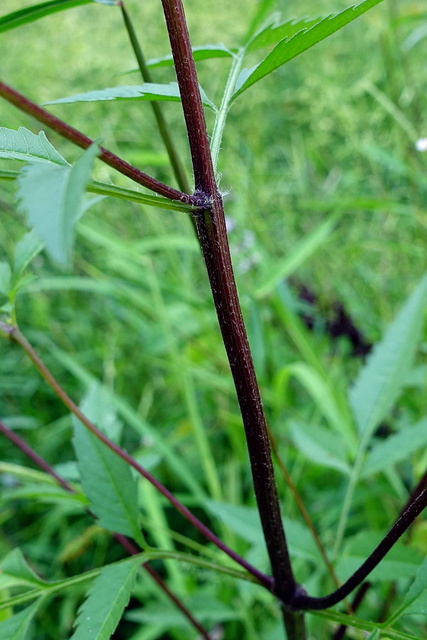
(35, 12)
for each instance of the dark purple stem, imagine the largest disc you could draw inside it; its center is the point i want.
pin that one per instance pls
(125, 542)
(78, 138)
(304, 601)
(214, 243)
(16, 336)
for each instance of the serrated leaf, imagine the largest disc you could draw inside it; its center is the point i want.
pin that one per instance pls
(16, 627)
(52, 197)
(28, 147)
(106, 600)
(35, 12)
(15, 571)
(320, 446)
(206, 52)
(25, 250)
(108, 483)
(381, 379)
(275, 30)
(245, 521)
(396, 448)
(289, 48)
(149, 91)
(98, 406)
(5, 278)
(415, 600)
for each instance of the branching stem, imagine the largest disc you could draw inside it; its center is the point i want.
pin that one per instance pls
(16, 336)
(81, 140)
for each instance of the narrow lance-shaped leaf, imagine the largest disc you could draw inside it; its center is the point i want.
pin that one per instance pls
(106, 479)
(25, 250)
(52, 197)
(274, 31)
(149, 91)
(106, 600)
(381, 379)
(29, 147)
(289, 48)
(395, 448)
(35, 12)
(16, 627)
(415, 600)
(15, 571)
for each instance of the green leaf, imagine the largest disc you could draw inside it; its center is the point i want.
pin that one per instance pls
(415, 600)
(275, 30)
(15, 571)
(106, 600)
(52, 197)
(381, 379)
(326, 401)
(206, 52)
(5, 278)
(396, 448)
(282, 269)
(400, 560)
(204, 602)
(107, 481)
(98, 406)
(375, 635)
(289, 48)
(29, 147)
(35, 12)
(25, 250)
(16, 627)
(245, 521)
(147, 91)
(320, 446)
(262, 10)
(107, 189)
(110, 3)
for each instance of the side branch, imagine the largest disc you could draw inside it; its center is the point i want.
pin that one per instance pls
(16, 336)
(417, 506)
(81, 140)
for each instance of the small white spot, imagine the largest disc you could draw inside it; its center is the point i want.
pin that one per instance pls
(421, 144)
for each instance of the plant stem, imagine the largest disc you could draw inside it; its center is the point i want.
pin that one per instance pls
(162, 125)
(15, 335)
(222, 113)
(78, 138)
(126, 544)
(303, 601)
(213, 239)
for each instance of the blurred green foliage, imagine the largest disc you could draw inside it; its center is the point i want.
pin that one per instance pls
(331, 134)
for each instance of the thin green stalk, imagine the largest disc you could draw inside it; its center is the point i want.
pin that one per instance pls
(354, 477)
(222, 112)
(162, 125)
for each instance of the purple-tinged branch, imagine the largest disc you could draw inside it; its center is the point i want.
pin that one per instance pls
(16, 336)
(125, 542)
(81, 140)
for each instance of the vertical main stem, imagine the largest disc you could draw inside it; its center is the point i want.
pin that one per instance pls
(212, 234)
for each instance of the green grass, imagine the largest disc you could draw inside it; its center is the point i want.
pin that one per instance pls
(331, 134)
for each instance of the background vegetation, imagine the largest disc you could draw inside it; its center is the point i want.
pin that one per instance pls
(328, 137)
